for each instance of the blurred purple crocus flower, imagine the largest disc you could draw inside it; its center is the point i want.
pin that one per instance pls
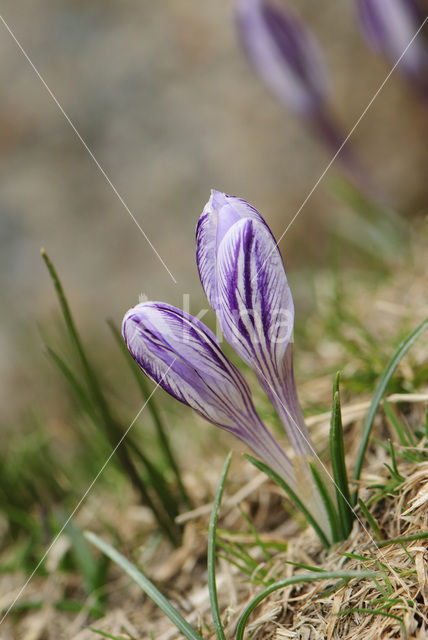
(287, 57)
(389, 28)
(242, 273)
(285, 54)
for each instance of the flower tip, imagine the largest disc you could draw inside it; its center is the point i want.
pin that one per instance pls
(131, 319)
(217, 199)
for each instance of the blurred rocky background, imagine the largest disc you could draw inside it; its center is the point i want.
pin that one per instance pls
(164, 98)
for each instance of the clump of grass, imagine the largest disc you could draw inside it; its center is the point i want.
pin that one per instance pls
(175, 616)
(161, 496)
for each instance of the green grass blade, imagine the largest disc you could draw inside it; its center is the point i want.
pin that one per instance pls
(304, 577)
(337, 532)
(146, 585)
(337, 453)
(235, 563)
(72, 380)
(104, 634)
(370, 519)
(90, 374)
(371, 612)
(84, 557)
(111, 428)
(377, 397)
(238, 552)
(393, 469)
(299, 565)
(158, 482)
(212, 586)
(258, 540)
(293, 497)
(356, 556)
(157, 420)
(423, 535)
(404, 436)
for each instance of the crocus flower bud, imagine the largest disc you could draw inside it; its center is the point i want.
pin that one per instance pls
(287, 57)
(243, 275)
(183, 356)
(284, 53)
(389, 28)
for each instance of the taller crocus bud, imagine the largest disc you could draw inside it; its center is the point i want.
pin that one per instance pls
(243, 275)
(287, 57)
(390, 29)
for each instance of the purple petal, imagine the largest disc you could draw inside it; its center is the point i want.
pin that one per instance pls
(256, 306)
(256, 314)
(182, 355)
(284, 53)
(220, 213)
(389, 28)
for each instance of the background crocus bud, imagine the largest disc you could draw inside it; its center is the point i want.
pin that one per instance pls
(246, 279)
(183, 356)
(389, 28)
(286, 56)
(284, 53)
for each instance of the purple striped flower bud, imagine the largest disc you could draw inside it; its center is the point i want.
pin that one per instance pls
(243, 275)
(287, 57)
(183, 356)
(284, 53)
(389, 28)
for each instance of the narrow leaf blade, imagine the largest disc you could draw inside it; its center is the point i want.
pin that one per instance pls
(146, 585)
(293, 497)
(377, 397)
(337, 453)
(212, 586)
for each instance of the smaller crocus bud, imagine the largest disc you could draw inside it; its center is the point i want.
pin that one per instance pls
(243, 275)
(390, 29)
(183, 356)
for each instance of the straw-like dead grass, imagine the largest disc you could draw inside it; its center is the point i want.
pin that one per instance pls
(394, 607)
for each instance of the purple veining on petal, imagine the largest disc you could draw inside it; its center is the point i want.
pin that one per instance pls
(256, 314)
(284, 53)
(220, 213)
(389, 28)
(183, 356)
(254, 292)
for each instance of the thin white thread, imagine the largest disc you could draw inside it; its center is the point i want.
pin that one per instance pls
(342, 145)
(116, 192)
(54, 541)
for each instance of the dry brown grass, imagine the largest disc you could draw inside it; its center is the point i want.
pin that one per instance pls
(306, 611)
